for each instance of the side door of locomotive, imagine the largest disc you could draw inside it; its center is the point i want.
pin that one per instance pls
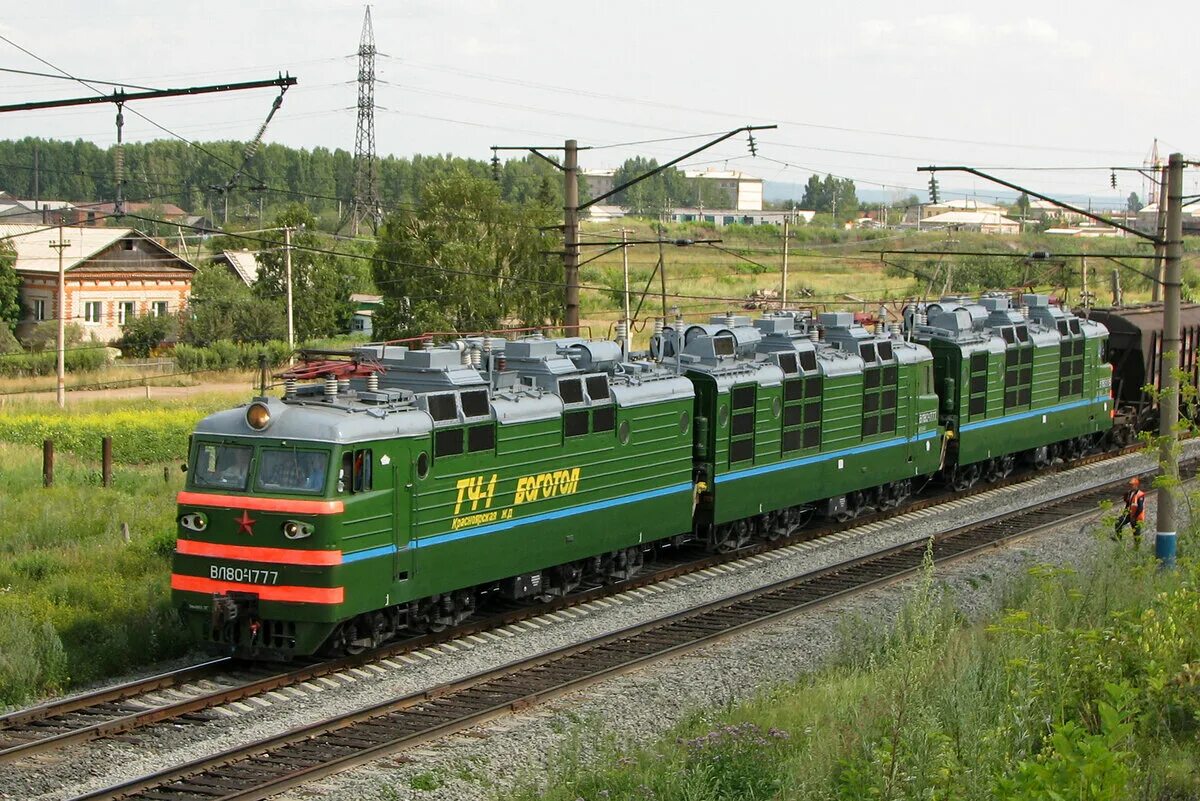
(404, 506)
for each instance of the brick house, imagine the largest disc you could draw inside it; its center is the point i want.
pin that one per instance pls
(111, 274)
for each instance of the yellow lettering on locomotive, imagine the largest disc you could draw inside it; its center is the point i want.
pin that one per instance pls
(546, 485)
(472, 489)
(475, 493)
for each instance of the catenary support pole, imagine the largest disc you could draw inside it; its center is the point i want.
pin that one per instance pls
(627, 341)
(287, 262)
(783, 282)
(571, 237)
(1160, 230)
(1168, 404)
(662, 276)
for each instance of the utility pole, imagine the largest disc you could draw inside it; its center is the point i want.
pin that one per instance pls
(61, 368)
(783, 283)
(571, 236)
(287, 267)
(1168, 402)
(627, 340)
(572, 207)
(1161, 233)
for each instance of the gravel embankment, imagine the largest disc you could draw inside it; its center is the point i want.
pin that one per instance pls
(639, 705)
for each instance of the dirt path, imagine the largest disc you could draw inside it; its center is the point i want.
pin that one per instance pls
(135, 392)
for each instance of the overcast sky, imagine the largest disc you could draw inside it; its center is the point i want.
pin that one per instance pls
(867, 90)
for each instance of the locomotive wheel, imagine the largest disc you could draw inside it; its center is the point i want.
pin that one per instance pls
(851, 511)
(964, 478)
(993, 470)
(565, 579)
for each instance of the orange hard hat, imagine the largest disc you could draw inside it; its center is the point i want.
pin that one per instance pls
(1135, 482)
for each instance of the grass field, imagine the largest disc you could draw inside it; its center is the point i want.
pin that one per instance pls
(78, 602)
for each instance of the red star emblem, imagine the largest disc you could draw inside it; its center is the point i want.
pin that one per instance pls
(245, 523)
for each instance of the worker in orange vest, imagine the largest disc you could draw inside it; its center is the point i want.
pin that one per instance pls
(1134, 513)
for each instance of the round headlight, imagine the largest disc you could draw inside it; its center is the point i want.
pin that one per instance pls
(296, 530)
(258, 416)
(195, 521)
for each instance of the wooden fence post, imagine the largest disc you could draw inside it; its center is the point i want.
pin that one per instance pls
(47, 463)
(106, 461)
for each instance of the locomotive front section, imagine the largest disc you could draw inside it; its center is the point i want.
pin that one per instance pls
(285, 519)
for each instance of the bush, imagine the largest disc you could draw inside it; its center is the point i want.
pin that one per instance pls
(78, 359)
(226, 355)
(141, 335)
(32, 660)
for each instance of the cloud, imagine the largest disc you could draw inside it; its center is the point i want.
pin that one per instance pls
(965, 31)
(875, 32)
(959, 29)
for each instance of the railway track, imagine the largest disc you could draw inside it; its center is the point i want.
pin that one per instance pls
(185, 695)
(303, 754)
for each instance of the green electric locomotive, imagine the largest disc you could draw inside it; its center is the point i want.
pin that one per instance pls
(400, 487)
(1028, 383)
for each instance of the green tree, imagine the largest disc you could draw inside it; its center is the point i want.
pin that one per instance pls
(456, 262)
(1021, 207)
(10, 286)
(1133, 203)
(321, 282)
(221, 306)
(656, 195)
(831, 195)
(141, 335)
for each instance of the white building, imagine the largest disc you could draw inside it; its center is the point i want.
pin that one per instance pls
(986, 222)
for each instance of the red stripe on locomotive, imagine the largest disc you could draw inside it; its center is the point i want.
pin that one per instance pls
(309, 595)
(251, 553)
(293, 505)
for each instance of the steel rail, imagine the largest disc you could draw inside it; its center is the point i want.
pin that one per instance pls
(94, 715)
(306, 753)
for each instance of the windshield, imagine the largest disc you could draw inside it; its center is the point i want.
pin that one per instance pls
(300, 471)
(225, 466)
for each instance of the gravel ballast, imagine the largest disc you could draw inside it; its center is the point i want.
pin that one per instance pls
(638, 706)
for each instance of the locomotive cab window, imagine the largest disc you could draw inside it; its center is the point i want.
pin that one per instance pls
(356, 474)
(292, 470)
(224, 466)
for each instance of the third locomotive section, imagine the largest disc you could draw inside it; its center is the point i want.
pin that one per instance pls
(1028, 384)
(403, 486)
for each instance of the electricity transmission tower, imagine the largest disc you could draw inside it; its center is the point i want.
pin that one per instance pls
(365, 205)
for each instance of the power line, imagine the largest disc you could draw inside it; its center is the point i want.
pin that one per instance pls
(578, 92)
